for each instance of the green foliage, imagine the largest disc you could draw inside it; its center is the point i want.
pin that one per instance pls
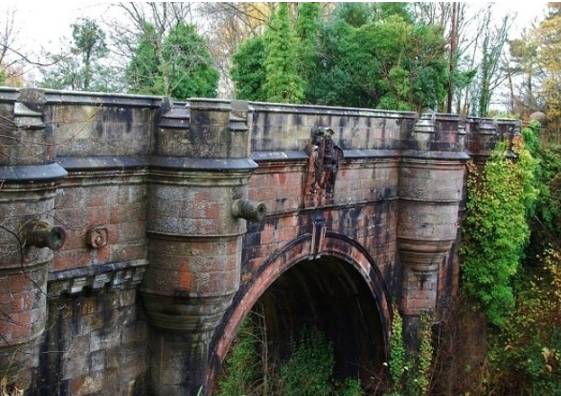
(307, 31)
(142, 72)
(248, 72)
(350, 387)
(365, 55)
(548, 180)
(241, 365)
(410, 374)
(424, 360)
(188, 62)
(178, 65)
(390, 63)
(397, 352)
(308, 371)
(525, 357)
(496, 230)
(282, 81)
(354, 14)
(83, 68)
(89, 39)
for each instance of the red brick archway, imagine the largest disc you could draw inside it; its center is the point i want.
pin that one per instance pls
(346, 250)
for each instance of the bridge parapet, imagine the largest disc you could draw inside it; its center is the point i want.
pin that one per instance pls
(287, 128)
(29, 182)
(484, 133)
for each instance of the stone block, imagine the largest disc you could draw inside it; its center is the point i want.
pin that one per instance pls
(97, 361)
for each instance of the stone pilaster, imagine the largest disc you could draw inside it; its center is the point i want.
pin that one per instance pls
(195, 226)
(481, 136)
(28, 182)
(430, 190)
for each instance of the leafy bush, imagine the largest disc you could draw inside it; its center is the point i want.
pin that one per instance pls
(526, 355)
(548, 181)
(496, 229)
(242, 364)
(308, 371)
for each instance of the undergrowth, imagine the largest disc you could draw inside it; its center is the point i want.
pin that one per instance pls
(525, 355)
(308, 371)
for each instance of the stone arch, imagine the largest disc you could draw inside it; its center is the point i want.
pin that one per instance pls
(333, 245)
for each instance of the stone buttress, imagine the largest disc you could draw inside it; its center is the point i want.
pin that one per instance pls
(197, 199)
(431, 183)
(29, 180)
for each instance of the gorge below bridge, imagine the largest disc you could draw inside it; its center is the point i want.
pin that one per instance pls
(138, 232)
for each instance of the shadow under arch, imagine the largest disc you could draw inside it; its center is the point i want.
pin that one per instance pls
(338, 257)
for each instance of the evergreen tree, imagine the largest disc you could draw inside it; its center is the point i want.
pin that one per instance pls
(282, 84)
(179, 65)
(248, 71)
(89, 42)
(388, 63)
(187, 65)
(354, 14)
(307, 30)
(143, 70)
(82, 69)
(364, 56)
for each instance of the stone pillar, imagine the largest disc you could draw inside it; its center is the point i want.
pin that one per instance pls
(481, 136)
(195, 228)
(28, 182)
(430, 190)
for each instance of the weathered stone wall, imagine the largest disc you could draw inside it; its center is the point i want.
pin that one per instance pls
(164, 252)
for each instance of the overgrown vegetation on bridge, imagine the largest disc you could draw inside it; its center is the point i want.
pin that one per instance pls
(510, 202)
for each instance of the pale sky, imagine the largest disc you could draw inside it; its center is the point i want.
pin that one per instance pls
(42, 24)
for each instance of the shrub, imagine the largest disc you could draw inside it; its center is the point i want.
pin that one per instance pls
(526, 355)
(308, 371)
(241, 367)
(496, 229)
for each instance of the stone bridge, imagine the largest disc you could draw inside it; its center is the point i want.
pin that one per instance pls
(136, 233)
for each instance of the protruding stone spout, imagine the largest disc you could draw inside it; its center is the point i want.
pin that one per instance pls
(41, 234)
(249, 210)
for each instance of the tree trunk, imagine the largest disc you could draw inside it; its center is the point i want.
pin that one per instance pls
(452, 59)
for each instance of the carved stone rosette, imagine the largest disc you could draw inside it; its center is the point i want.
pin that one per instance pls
(323, 164)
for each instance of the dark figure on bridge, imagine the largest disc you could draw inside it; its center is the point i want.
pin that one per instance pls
(323, 165)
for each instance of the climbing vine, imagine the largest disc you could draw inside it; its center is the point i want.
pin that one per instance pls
(397, 353)
(496, 230)
(424, 361)
(525, 356)
(410, 373)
